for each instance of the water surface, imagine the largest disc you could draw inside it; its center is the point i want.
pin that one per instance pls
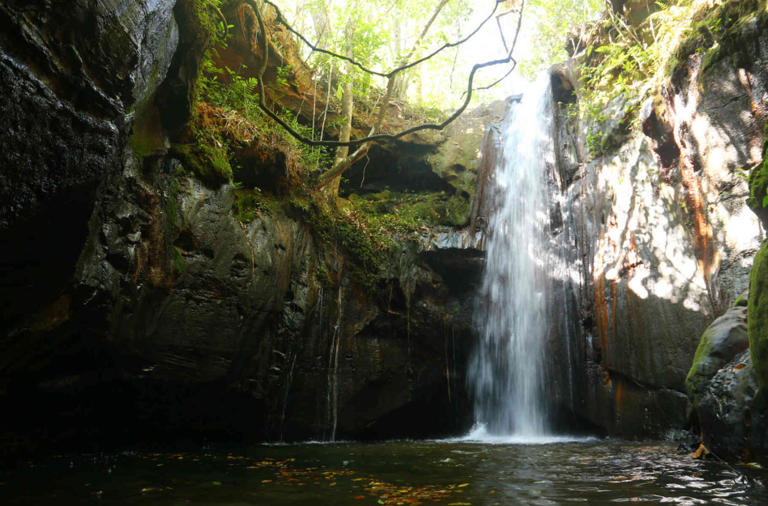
(438, 472)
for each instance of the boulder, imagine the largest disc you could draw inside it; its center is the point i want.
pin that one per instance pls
(720, 343)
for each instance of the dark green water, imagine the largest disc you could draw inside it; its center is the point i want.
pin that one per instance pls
(593, 472)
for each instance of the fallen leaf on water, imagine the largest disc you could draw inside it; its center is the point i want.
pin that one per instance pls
(217, 483)
(463, 485)
(332, 484)
(266, 481)
(358, 497)
(700, 452)
(149, 489)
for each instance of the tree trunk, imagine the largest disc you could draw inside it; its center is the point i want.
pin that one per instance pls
(331, 189)
(330, 181)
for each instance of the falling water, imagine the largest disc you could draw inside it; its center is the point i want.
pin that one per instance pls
(506, 371)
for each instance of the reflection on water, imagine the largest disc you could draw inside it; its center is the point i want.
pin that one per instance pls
(437, 472)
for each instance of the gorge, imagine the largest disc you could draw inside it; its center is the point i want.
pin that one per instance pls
(175, 293)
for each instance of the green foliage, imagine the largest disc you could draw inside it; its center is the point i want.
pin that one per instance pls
(552, 22)
(209, 20)
(378, 33)
(363, 228)
(405, 213)
(343, 229)
(624, 64)
(236, 98)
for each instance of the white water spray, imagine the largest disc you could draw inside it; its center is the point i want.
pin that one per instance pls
(506, 370)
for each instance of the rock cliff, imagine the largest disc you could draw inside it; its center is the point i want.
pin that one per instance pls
(654, 231)
(136, 307)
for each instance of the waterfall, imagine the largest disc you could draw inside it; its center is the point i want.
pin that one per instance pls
(506, 370)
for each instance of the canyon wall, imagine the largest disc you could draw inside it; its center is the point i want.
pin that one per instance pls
(654, 233)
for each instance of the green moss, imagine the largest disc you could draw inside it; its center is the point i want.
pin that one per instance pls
(757, 315)
(741, 300)
(696, 375)
(456, 160)
(147, 137)
(365, 248)
(403, 213)
(712, 56)
(758, 184)
(248, 204)
(179, 264)
(172, 205)
(323, 278)
(209, 161)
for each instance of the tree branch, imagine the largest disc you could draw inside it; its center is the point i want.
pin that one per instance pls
(339, 169)
(280, 19)
(377, 137)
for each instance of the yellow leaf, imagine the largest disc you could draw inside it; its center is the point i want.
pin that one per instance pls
(463, 485)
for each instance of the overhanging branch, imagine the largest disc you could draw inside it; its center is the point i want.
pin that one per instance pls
(280, 19)
(377, 137)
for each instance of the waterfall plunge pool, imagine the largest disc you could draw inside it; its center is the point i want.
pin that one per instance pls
(402, 472)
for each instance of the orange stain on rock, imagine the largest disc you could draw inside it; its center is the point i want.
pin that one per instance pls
(702, 243)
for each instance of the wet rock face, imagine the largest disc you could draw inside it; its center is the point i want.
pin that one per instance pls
(69, 72)
(136, 308)
(656, 238)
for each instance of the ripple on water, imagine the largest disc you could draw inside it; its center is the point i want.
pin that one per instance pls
(402, 472)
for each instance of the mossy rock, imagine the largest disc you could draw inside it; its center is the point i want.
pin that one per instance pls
(758, 315)
(758, 186)
(210, 163)
(723, 340)
(147, 138)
